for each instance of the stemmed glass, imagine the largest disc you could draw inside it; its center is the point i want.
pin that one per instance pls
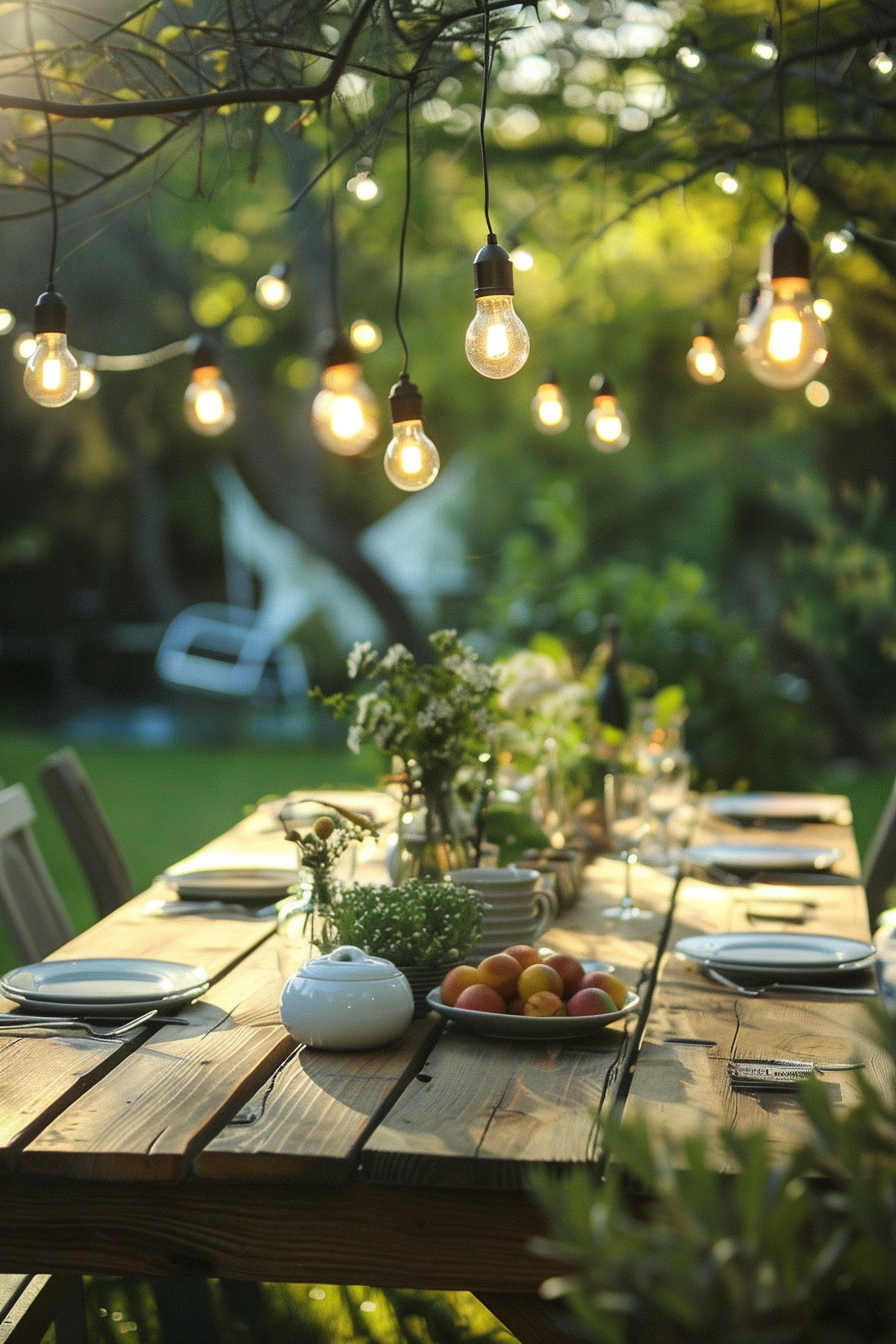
(667, 791)
(625, 806)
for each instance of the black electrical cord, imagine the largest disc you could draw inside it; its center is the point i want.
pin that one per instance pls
(486, 70)
(404, 226)
(782, 129)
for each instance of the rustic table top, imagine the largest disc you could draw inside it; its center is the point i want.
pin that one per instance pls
(220, 1147)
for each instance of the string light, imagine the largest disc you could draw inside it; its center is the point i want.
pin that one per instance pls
(690, 57)
(364, 188)
(7, 321)
(521, 257)
(824, 309)
(272, 290)
(365, 335)
(88, 378)
(412, 459)
(882, 62)
(704, 359)
(839, 243)
(550, 409)
(818, 394)
(344, 413)
(497, 343)
(51, 374)
(208, 401)
(783, 339)
(727, 182)
(765, 48)
(23, 347)
(607, 424)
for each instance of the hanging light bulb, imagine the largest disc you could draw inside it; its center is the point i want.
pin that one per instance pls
(364, 187)
(840, 242)
(344, 412)
(51, 374)
(208, 400)
(690, 56)
(88, 378)
(882, 62)
(23, 347)
(704, 361)
(607, 424)
(412, 459)
(365, 335)
(745, 308)
(272, 291)
(497, 342)
(727, 182)
(784, 340)
(550, 409)
(765, 48)
(7, 321)
(824, 309)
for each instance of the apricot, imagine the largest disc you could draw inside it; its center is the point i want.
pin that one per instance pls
(456, 981)
(500, 972)
(569, 970)
(534, 979)
(610, 984)
(544, 1004)
(481, 999)
(515, 1007)
(588, 1002)
(524, 954)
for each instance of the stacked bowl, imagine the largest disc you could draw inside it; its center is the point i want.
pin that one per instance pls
(514, 908)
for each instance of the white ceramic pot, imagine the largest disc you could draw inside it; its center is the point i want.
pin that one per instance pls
(346, 1001)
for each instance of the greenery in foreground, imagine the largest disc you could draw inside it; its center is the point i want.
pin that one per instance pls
(781, 1250)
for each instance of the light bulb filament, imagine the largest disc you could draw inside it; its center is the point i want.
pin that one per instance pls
(705, 362)
(347, 417)
(785, 338)
(51, 375)
(496, 342)
(209, 406)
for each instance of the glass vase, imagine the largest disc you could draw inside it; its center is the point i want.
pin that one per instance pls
(434, 834)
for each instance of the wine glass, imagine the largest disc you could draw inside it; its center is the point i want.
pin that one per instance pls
(625, 805)
(667, 791)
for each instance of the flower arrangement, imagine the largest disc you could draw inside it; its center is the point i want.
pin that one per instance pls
(320, 848)
(420, 923)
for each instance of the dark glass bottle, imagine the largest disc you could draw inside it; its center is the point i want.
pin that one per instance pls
(612, 701)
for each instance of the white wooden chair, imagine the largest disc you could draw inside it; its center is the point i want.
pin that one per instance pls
(78, 810)
(31, 909)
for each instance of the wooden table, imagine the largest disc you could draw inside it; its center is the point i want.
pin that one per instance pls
(218, 1148)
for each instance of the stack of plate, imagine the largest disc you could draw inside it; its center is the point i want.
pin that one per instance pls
(514, 909)
(771, 956)
(104, 986)
(780, 808)
(764, 858)
(244, 886)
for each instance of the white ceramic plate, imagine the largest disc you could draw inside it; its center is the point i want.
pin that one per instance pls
(812, 953)
(764, 858)
(121, 1011)
(782, 807)
(508, 1027)
(233, 884)
(103, 980)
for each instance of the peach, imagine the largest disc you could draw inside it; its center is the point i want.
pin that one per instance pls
(500, 972)
(524, 954)
(456, 981)
(481, 999)
(569, 970)
(610, 984)
(588, 1002)
(534, 979)
(544, 1004)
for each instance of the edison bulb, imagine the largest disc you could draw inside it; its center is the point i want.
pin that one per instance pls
(51, 374)
(208, 402)
(765, 48)
(785, 341)
(550, 409)
(704, 361)
(691, 57)
(365, 335)
(607, 425)
(497, 342)
(412, 459)
(272, 291)
(344, 412)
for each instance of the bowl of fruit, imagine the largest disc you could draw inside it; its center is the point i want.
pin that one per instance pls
(526, 994)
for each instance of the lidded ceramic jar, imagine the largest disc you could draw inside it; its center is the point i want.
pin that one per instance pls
(346, 1000)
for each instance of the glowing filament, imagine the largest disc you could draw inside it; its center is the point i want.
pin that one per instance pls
(785, 337)
(496, 342)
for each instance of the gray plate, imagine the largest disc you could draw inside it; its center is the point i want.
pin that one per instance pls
(764, 858)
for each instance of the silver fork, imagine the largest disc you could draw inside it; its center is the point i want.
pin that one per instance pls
(12, 1022)
(844, 991)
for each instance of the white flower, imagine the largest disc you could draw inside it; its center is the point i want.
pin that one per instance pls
(358, 657)
(354, 738)
(394, 656)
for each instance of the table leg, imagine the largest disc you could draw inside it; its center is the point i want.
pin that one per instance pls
(530, 1318)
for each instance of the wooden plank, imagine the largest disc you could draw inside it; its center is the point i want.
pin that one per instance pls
(696, 1027)
(483, 1112)
(311, 1118)
(278, 1232)
(532, 1320)
(28, 1303)
(146, 1119)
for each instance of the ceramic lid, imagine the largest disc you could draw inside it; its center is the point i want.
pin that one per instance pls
(348, 964)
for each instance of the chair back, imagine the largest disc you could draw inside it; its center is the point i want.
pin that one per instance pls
(66, 785)
(31, 909)
(879, 871)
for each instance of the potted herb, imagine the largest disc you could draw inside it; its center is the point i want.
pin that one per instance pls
(425, 927)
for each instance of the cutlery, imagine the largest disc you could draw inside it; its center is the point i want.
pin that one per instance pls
(159, 906)
(23, 1021)
(845, 991)
(725, 877)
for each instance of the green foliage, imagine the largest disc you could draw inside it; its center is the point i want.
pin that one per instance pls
(418, 923)
(668, 1249)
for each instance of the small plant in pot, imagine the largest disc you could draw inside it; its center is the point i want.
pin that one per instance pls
(425, 927)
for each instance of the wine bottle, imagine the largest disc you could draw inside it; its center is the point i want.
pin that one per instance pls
(612, 701)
